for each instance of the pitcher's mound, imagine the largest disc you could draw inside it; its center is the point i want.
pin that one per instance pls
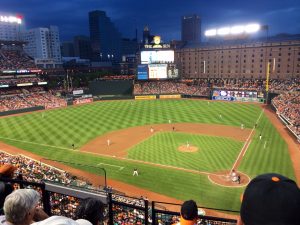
(185, 148)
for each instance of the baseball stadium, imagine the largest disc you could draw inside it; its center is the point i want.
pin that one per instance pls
(144, 143)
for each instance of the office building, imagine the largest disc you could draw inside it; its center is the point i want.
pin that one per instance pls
(67, 49)
(82, 47)
(191, 29)
(43, 44)
(105, 38)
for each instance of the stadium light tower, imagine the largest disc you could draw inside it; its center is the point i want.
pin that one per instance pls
(233, 30)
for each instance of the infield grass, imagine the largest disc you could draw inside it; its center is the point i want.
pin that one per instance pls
(51, 134)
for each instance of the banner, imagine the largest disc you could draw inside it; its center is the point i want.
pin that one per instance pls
(82, 101)
(145, 97)
(169, 96)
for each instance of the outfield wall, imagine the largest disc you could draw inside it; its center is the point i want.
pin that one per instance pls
(111, 87)
(32, 109)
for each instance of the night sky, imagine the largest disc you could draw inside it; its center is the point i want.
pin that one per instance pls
(163, 17)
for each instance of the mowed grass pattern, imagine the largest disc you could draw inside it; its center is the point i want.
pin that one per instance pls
(58, 129)
(80, 124)
(214, 153)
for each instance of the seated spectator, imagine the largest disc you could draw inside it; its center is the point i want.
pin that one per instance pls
(6, 171)
(20, 207)
(188, 213)
(90, 209)
(271, 199)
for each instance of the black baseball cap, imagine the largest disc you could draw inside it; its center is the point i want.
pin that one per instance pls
(271, 199)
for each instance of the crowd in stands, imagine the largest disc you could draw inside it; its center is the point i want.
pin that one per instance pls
(17, 98)
(35, 171)
(288, 106)
(18, 90)
(14, 81)
(279, 86)
(171, 87)
(202, 87)
(10, 59)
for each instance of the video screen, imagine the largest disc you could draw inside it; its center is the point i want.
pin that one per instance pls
(157, 71)
(234, 95)
(158, 56)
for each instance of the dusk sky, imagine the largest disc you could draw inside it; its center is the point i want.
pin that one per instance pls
(163, 17)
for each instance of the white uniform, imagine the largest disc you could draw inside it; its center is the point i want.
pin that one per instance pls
(135, 172)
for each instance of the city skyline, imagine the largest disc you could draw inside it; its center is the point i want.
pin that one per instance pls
(163, 18)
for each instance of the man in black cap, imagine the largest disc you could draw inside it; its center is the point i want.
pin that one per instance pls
(271, 199)
(188, 213)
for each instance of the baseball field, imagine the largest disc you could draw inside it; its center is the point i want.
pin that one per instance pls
(183, 149)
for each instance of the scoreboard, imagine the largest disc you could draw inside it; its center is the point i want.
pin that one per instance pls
(156, 64)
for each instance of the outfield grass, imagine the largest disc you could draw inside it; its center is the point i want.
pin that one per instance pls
(51, 133)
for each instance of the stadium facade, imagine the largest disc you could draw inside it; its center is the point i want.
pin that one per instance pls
(241, 60)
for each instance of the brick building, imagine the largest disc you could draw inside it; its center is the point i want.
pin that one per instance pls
(241, 60)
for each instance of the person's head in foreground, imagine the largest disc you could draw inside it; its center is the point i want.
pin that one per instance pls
(90, 209)
(61, 220)
(20, 206)
(189, 212)
(271, 199)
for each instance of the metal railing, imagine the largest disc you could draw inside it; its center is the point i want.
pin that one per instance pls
(56, 198)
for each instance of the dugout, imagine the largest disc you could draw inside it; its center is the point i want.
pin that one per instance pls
(111, 87)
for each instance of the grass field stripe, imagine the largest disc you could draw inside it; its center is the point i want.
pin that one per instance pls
(120, 167)
(245, 147)
(34, 143)
(150, 163)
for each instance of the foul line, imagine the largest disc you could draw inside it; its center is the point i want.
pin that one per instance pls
(247, 143)
(121, 167)
(29, 142)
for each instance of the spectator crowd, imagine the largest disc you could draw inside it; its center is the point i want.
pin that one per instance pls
(171, 87)
(20, 98)
(202, 87)
(15, 59)
(288, 106)
(268, 199)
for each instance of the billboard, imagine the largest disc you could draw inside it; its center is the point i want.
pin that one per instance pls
(157, 56)
(244, 96)
(142, 72)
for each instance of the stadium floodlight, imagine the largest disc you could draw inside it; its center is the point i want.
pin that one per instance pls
(10, 19)
(223, 31)
(212, 32)
(252, 28)
(237, 29)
